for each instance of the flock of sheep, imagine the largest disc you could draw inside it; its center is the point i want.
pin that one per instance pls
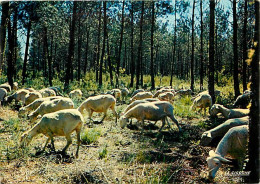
(58, 116)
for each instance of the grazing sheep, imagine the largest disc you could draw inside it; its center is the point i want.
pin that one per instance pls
(116, 93)
(137, 91)
(163, 90)
(47, 92)
(141, 95)
(217, 93)
(30, 97)
(124, 93)
(184, 92)
(242, 101)
(77, 93)
(6, 86)
(59, 123)
(234, 144)
(3, 94)
(51, 106)
(99, 103)
(166, 96)
(19, 95)
(35, 104)
(152, 111)
(222, 129)
(136, 102)
(203, 101)
(56, 89)
(15, 86)
(228, 113)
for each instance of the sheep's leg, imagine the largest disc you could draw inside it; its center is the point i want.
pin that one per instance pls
(78, 142)
(163, 123)
(48, 140)
(105, 114)
(69, 141)
(90, 112)
(52, 143)
(169, 124)
(114, 112)
(176, 122)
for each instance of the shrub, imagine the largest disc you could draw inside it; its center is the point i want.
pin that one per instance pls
(90, 136)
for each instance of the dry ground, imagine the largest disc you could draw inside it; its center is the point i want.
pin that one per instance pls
(131, 157)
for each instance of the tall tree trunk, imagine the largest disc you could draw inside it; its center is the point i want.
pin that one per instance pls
(120, 44)
(47, 56)
(71, 48)
(109, 62)
(4, 22)
(152, 46)
(139, 62)
(192, 50)
(79, 49)
(245, 47)
(211, 51)
(104, 43)
(253, 146)
(235, 74)
(174, 46)
(26, 52)
(15, 40)
(10, 54)
(86, 52)
(201, 47)
(132, 46)
(98, 44)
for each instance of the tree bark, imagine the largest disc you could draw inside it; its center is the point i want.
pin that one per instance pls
(10, 54)
(235, 74)
(79, 49)
(211, 66)
(139, 62)
(109, 62)
(174, 46)
(98, 44)
(245, 47)
(104, 44)
(201, 47)
(71, 48)
(132, 47)
(47, 56)
(26, 52)
(152, 47)
(15, 40)
(4, 22)
(192, 50)
(86, 52)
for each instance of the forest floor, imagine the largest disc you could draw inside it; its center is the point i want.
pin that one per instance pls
(115, 155)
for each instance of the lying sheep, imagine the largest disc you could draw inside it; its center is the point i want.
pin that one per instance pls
(77, 93)
(141, 95)
(3, 94)
(153, 111)
(228, 113)
(203, 101)
(242, 101)
(19, 95)
(222, 129)
(166, 96)
(99, 103)
(51, 106)
(47, 92)
(234, 144)
(59, 123)
(6, 86)
(137, 91)
(35, 104)
(184, 92)
(124, 93)
(30, 97)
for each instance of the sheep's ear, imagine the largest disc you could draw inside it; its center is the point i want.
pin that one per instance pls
(212, 153)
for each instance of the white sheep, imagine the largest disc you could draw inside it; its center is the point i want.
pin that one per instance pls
(6, 86)
(15, 86)
(136, 102)
(47, 92)
(51, 106)
(59, 123)
(228, 113)
(163, 90)
(141, 95)
(77, 93)
(99, 103)
(222, 129)
(19, 95)
(116, 93)
(234, 144)
(124, 93)
(166, 96)
(137, 91)
(35, 104)
(30, 97)
(3, 94)
(30, 89)
(184, 92)
(203, 101)
(56, 89)
(153, 111)
(243, 100)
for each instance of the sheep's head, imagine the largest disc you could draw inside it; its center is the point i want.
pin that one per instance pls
(214, 163)
(123, 121)
(206, 138)
(214, 110)
(25, 140)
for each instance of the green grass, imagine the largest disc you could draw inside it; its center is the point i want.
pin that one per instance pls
(90, 136)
